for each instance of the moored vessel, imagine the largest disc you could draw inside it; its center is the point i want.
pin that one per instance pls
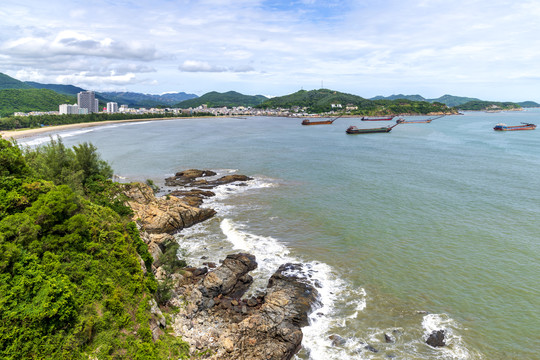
(523, 126)
(427, 121)
(365, 118)
(321, 122)
(355, 130)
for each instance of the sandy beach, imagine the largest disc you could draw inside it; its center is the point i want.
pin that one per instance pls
(23, 133)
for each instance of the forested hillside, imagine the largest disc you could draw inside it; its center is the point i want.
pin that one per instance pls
(26, 100)
(229, 99)
(318, 101)
(75, 276)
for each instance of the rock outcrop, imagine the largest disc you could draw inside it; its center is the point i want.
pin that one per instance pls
(162, 215)
(436, 338)
(212, 313)
(193, 177)
(265, 327)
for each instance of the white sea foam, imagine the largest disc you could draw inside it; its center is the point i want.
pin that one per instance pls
(455, 348)
(35, 141)
(339, 302)
(333, 291)
(222, 235)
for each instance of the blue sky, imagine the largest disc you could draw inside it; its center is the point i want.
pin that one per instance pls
(489, 49)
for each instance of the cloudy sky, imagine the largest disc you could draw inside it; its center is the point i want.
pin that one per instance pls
(489, 49)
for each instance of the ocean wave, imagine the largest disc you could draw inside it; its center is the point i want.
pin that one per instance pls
(455, 348)
(341, 304)
(41, 139)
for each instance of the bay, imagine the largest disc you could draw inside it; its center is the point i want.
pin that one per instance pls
(431, 226)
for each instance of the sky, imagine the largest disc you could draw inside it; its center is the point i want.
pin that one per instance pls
(487, 49)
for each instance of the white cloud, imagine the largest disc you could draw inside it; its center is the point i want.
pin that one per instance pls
(356, 45)
(203, 66)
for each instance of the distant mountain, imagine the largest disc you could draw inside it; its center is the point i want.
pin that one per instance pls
(528, 104)
(147, 100)
(324, 100)
(400, 96)
(479, 105)
(315, 101)
(61, 89)
(26, 100)
(7, 82)
(451, 100)
(448, 100)
(229, 99)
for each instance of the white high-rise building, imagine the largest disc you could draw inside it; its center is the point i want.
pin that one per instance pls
(68, 109)
(112, 107)
(87, 100)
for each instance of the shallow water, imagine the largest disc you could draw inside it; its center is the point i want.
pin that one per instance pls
(431, 226)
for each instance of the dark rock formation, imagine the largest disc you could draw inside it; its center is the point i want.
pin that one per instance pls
(186, 177)
(388, 339)
(227, 179)
(263, 327)
(436, 338)
(230, 278)
(192, 178)
(371, 348)
(337, 340)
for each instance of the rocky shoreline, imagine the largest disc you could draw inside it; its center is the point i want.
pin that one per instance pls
(212, 316)
(210, 312)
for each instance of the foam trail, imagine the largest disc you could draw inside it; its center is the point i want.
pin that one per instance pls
(270, 254)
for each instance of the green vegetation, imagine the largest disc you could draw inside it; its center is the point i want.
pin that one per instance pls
(7, 82)
(216, 99)
(488, 105)
(319, 101)
(400, 96)
(448, 100)
(74, 272)
(26, 100)
(528, 104)
(453, 101)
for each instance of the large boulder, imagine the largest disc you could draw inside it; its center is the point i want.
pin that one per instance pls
(436, 338)
(274, 331)
(265, 327)
(186, 177)
(162, 215)
(230, 279)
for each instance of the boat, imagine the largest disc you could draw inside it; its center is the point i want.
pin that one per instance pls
(504, 127)
(384, 129)
(427, 121)
(376, 118)
(321, 122)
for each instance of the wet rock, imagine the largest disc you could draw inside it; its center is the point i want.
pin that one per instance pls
(389, 339)
(227, 179)
(229, 278)
(200, 271)
(337, 340)
(371, 348)
(187, 177)
(436, 338)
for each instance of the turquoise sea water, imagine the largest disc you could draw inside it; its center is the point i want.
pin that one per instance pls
(431, 226)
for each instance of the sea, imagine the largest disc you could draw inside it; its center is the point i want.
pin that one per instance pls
(432, 226)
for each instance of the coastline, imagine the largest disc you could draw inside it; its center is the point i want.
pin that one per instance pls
(23, 133)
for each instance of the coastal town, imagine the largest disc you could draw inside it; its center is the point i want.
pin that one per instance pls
(87, 103)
